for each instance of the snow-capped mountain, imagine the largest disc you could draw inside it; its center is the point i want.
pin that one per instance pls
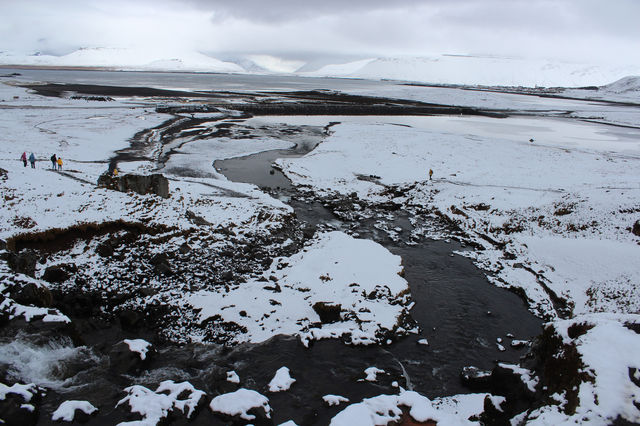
(479, 70)
(127, 59)
(625, 86)
(437, 69)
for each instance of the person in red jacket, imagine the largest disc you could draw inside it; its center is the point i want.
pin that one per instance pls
(23, 157)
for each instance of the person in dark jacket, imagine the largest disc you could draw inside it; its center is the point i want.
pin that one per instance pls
(32, 160)
(23, 157)
(54, 162)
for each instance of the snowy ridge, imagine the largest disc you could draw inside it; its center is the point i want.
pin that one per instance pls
(127, 59)
(436, 69)
(630, 84)
(477, 70)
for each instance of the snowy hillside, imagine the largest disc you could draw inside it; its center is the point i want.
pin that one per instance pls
(437, 69)
(126, 59)
(627, 87)
(479, 70)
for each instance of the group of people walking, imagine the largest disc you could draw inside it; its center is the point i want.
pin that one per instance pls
(32, 160)
(56, 162)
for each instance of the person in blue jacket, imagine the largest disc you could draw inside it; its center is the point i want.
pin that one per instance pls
(32, 160)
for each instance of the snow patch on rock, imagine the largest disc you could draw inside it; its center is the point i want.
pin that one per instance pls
(67, 410)
(239, 403)
(282, 380)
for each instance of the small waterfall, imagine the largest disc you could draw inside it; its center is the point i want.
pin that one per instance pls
(53, 364)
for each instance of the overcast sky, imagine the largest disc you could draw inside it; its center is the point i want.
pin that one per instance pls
(575, 30)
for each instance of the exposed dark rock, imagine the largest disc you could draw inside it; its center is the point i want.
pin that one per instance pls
(184, 248)
(492, 415)
(579, 329)
(636, 228)
(130, 319)
(78, 303)
(105, 249)
(560, 367)
(58, 273)
(563, 211)
(506, 382)
(457, 211)
(93, 98)
(161, 265)
(635, 327)
(196, 220)
(633, 376)
(24, 262)
(328, 312)
(142, 184)
(475, 378)
(480, 207)
(32, 294)
(123, 360)
(13, 410)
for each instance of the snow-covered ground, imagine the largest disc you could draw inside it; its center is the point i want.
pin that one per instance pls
(85, 134)
(562, 205)
(336, 271)
(552, 217)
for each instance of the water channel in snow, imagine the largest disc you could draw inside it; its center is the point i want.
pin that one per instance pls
(460, 313)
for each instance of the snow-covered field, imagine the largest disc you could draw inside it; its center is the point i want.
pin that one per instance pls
(552, 217)
(548, 203)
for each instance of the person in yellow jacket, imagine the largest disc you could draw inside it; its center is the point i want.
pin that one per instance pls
(59, 163)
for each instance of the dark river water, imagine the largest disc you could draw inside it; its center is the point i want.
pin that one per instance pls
(460, 312)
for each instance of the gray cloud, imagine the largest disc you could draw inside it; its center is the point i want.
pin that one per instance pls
(581, 30)
(278, 11)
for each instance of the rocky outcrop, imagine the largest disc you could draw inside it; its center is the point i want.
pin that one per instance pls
(155, 184)
(123, 360)
(23, 262)
(32, 295)
(328, 312)
(20, 404)
(59, 273)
